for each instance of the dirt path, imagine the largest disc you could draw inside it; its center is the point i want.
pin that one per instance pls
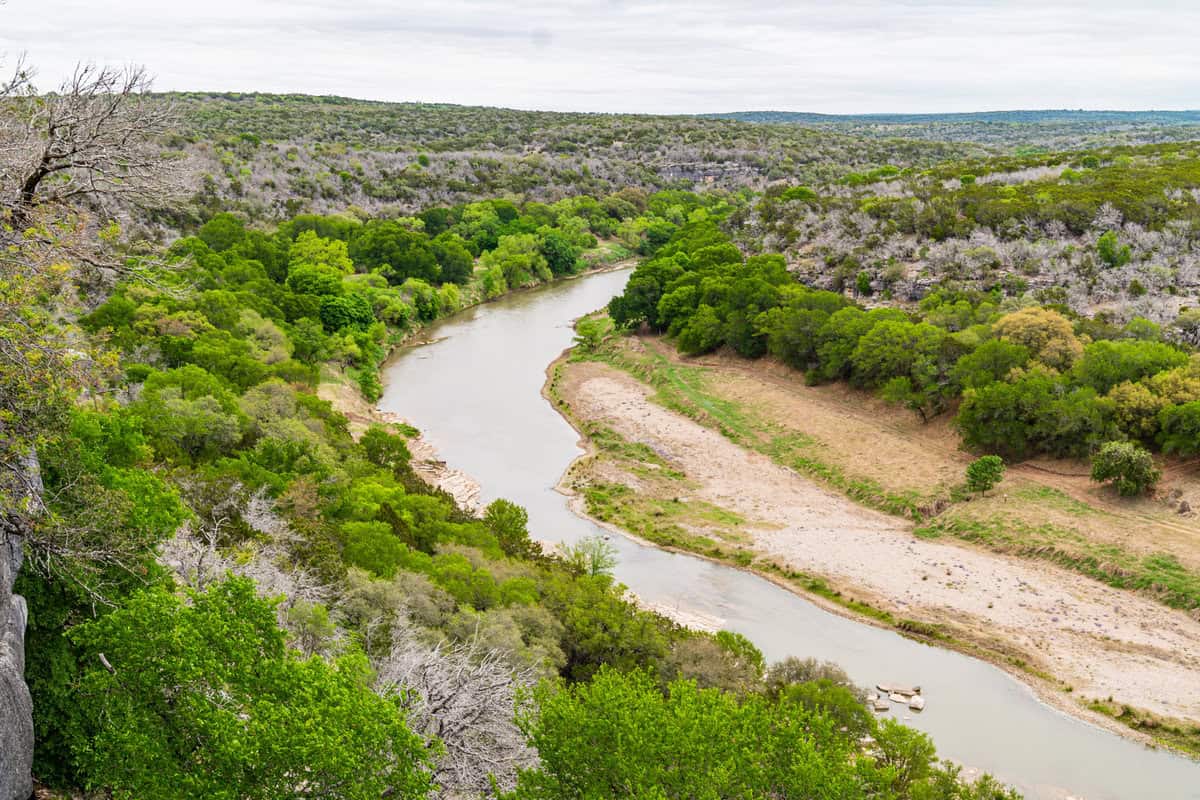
(1102, 641)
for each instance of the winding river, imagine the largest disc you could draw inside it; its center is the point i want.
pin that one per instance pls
(475, 394)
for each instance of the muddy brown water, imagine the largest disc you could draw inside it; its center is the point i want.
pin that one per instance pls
(475, 393)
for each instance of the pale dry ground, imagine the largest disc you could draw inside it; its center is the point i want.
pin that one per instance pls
(425, 461)
(893, 447)
(1101, 641)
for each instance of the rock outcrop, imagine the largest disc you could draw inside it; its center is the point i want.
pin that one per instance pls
(16, 707)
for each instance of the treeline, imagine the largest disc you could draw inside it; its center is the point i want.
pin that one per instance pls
(339, 288)
(1026, 380)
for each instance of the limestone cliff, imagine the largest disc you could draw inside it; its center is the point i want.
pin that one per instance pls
(16, 708)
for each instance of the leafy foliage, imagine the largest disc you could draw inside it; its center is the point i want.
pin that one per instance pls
(984, 473)
(259, 721)
(1127, 466)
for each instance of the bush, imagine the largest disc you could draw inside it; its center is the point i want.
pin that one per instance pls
(1127, 466)
(1111, 251)
(984, 473)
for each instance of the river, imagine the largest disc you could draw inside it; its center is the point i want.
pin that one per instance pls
(475, 393)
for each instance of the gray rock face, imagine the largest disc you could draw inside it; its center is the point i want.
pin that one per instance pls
(16, 707)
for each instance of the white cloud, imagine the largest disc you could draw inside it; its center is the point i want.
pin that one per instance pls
(855, 56)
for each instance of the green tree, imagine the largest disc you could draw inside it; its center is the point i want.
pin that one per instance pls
(204, 700)
(455, 260)
(1111, 251)
(509, 523)
(520, 259)
(989, 362)
(704, 332)
(351, 310)
(1179, 426)
(1129, 467)
(385, 448)
(839, 337)
(862, 284)
(907, 753)
(687, 743)
(603, 628)
(1106, 364)
(397, 252)
(222, 232)
(591, 555)
(561, 255)
(984, 473)
(309, 248)
(317, 279)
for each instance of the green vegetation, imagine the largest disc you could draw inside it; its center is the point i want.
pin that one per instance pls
(694, 742)
(266, 733)
(1184, 736)
(163, 394)
(1029, 380)
(984, 473)
(205, 473)
(1127, 466)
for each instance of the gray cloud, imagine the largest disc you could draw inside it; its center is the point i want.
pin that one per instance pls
(852, 56)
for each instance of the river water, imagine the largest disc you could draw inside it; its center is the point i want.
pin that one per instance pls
(475, 393)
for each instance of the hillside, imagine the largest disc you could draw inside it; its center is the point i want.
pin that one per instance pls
(269, 156)
(1013, 131)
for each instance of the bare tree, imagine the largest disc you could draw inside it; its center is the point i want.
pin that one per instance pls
(467, 698)
(96, 138)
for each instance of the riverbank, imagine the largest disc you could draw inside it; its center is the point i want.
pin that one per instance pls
(346, 395)
(347, 399)
(683, 485)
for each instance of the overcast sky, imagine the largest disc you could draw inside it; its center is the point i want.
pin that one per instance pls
(850, 56)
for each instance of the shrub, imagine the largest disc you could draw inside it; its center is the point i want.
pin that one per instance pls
(984, 473)
(1111, 251)
(1127, 466)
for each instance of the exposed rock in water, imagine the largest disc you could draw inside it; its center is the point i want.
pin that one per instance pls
(16, 707)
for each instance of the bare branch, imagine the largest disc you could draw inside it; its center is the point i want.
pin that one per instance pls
(467, 698)
(95, 139)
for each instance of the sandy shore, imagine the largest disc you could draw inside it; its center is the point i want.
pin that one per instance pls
(1101, 641)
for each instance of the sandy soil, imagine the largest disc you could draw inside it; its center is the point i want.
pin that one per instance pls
(425, 462)
(892, 447)
(1102, 641)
